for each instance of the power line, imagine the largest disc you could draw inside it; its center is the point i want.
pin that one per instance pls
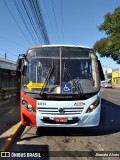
(31, 11)
(13, 54)
(18, 6)
(55, 20)
(15, 21)
(41, 22)
(9, 54)
(49, 19)
(2, 38)
(33, 20)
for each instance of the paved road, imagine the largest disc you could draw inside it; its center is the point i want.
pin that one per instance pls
(9, 114)
(105, 137)
(112, 95)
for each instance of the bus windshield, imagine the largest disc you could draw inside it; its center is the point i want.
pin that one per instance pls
(61, 70)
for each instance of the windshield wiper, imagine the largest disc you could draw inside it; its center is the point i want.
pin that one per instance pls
(46, 80)
(79, 89)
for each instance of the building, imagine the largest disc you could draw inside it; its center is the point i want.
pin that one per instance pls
(116, 77)
(107, 71)
(7, 73)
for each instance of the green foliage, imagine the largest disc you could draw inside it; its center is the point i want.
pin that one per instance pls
(110, 45)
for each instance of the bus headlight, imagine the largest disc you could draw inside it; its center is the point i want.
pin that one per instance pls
(93, 106)
(28, 106)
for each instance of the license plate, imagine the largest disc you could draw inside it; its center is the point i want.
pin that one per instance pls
(60, 119)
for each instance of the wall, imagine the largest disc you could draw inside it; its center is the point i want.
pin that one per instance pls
(116, 77)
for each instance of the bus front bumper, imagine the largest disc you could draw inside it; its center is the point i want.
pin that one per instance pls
(83, 120)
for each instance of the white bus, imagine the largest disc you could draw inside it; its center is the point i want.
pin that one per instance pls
(60, 86)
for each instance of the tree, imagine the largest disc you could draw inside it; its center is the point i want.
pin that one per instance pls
(110, 46)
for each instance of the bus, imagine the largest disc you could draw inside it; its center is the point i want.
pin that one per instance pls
(60, 86)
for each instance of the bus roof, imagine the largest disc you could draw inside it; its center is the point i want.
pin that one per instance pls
(76, 46)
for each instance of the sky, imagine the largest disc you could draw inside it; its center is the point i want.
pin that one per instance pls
(73, 22)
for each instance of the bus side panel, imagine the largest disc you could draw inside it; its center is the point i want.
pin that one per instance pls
(102, 77)
(28, 118)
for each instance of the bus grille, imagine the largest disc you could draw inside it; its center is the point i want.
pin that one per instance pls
(55, 111)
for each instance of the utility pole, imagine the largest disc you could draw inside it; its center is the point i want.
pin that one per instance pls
(5, 55)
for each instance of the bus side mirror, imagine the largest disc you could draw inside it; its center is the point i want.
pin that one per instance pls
(18, 65)
(102, 77)
(18, 73)
(24, 69)
(20, 62)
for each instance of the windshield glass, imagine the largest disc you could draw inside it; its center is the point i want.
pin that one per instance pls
(61, 70)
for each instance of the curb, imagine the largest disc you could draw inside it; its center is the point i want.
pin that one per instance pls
(11, 138)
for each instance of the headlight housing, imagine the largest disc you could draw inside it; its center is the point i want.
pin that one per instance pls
(28, 106)
(93, 106)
